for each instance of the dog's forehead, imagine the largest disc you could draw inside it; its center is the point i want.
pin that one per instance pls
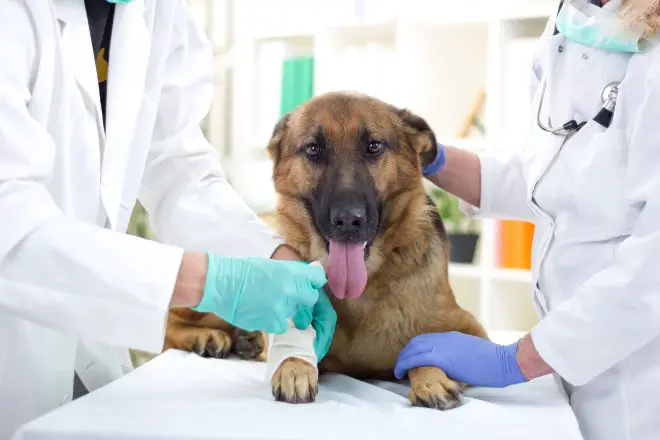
(341, 117)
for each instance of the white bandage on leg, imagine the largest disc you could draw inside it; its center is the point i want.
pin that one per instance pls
(292, 344)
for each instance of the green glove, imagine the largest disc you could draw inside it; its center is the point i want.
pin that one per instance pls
(259, 294)
(323, 319)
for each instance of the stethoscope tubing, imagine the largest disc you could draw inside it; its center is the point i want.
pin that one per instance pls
(608, 96)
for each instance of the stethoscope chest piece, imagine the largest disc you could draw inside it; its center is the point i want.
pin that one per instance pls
(609, 97)
(610, 92)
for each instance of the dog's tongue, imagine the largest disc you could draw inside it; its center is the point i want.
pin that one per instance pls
(346, 269)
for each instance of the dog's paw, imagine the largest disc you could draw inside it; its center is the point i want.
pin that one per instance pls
(250, 345)
(295, 381)
(210, 343)
(431, 388)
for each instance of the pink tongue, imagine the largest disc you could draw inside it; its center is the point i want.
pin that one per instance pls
(346, 270)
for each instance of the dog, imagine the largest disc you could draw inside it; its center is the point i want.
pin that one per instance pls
(347, 169)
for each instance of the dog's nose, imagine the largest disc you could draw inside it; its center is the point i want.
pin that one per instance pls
(348, 220)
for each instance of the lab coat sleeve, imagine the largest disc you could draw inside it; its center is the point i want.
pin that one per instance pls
(503, 189)
(503, 179)
(616, 311)
(185, 191)
(56, 271)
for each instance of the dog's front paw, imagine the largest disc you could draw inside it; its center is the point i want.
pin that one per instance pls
(210, 343)
(295, 381)
(431, 388)
(250, 346)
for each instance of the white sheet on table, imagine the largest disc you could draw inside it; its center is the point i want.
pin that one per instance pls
(182, 396)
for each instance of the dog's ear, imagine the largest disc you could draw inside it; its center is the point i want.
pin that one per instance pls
(275, 143)
(420, 134)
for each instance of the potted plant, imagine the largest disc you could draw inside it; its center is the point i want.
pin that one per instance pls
(462, 231)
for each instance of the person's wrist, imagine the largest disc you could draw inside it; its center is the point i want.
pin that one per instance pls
(190, 281)
(438, 163)
(531, 363)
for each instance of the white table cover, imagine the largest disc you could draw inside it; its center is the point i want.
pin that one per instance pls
(181, 396)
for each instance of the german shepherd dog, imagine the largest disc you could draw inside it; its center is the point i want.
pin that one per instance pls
(347, 169)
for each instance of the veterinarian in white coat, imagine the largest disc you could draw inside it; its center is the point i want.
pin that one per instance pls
(75, 290)
(594, 197)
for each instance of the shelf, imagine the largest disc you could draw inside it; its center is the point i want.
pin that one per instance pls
(476, 271)
(465, 270)
(512, 275)
(362, 33)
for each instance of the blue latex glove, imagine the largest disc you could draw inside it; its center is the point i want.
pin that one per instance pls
(259, 294)
(438, 163)
(465, 358)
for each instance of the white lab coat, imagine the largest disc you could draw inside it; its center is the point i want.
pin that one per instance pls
(70, 289)
(596, 206)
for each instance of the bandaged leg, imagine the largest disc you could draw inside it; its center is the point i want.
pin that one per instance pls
(292, 344)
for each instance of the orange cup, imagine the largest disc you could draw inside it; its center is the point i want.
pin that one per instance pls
(515, 244)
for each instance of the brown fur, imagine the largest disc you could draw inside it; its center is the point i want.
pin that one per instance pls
(408, 291)
(210, 336)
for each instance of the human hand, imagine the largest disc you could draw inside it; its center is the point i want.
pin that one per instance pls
(465, 358)
(322, 317)
(258, 294)
(437, 164)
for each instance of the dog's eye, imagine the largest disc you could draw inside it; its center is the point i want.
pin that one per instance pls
(375, 148)
(313, 151)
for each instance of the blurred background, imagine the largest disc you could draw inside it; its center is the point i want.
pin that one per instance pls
(464, 66)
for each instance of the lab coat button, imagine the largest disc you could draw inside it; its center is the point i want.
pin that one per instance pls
(90, 366)
(560, 48)
(585, 56)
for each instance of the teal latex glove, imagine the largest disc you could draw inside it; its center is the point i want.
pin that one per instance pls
(323, 319)
(258, 294)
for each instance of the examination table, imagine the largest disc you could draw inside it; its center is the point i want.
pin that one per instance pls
(181, 396)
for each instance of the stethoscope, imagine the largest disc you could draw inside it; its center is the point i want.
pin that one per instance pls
(609, 96)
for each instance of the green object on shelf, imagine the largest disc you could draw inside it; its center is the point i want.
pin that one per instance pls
(449, 209)
(297, 82)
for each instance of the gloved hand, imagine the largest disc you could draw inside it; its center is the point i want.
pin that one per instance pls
(438, 163)
(465, 358)
(323, 319)
(258, 294)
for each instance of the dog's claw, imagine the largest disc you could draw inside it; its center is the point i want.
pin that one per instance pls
(295, 382)
(211, 344)
(249, 345)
